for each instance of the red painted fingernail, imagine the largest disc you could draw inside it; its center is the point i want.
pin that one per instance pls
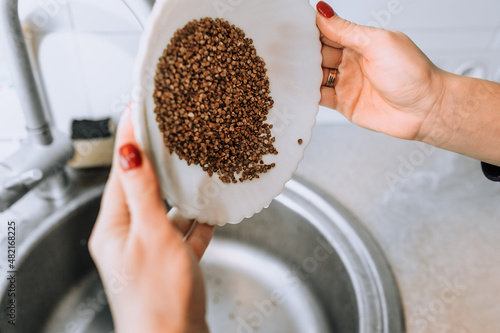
(130, 157)
(325, 9)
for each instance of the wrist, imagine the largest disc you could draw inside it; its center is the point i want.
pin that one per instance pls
(465, 118)
(446, 113)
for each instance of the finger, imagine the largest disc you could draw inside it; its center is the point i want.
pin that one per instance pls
(138, 179)
(199, 238)
(325, 41)
(332, 57)
(343, 32)
(113, 202)
(328, 98)
(113, 217)
(182, 224)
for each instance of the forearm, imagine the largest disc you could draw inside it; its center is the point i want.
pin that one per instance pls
(466, 120)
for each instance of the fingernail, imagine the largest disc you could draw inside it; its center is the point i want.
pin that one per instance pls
(325, 9)
(130, 157)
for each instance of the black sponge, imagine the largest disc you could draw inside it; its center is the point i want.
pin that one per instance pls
(91, 129)
(93, 141)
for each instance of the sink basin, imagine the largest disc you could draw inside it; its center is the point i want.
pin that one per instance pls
(304, 264)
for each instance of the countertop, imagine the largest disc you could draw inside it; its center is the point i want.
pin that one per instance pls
(434, 214)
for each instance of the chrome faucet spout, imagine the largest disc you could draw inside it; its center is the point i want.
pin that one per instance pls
(22, 74)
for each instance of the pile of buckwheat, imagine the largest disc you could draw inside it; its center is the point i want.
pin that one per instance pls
(212, 100)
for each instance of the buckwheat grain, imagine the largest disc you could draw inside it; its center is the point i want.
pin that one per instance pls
(212, 99)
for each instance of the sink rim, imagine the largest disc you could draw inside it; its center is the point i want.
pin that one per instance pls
(377, 294)
(50, 222)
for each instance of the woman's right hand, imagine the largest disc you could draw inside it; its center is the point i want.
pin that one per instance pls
(385, 82)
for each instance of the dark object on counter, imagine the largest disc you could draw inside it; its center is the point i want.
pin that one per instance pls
(491, 172)
(92, 129)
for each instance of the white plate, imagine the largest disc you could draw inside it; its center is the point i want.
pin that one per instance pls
(286, 37)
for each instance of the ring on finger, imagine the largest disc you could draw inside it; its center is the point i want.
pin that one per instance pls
(332, 77)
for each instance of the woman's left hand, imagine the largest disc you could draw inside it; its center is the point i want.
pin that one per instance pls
(150, 273)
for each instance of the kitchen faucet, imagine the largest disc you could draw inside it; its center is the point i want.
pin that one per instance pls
(43, 155)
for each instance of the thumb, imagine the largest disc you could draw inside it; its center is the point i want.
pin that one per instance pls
(343, 32)
(138, 178)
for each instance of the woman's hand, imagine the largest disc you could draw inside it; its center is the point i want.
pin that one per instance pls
(385, 83)
(150, 273)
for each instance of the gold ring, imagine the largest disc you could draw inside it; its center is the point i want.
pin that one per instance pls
(332, 76)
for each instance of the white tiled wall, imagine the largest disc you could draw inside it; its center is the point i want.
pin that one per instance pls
(87, 67)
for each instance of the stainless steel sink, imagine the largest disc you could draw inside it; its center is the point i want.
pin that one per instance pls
(302, 265)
